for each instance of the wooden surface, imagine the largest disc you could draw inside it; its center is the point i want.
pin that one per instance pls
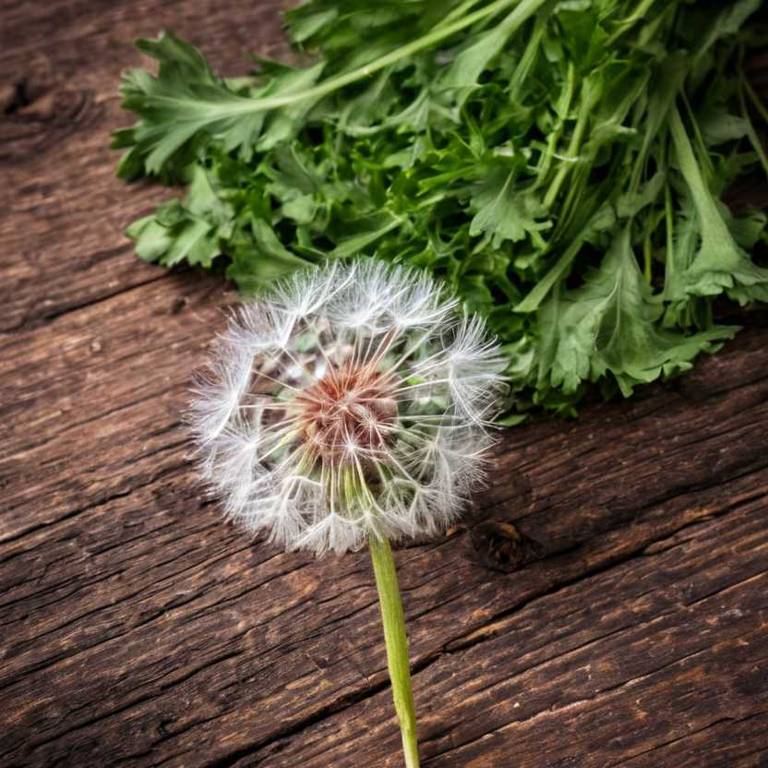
(138, 629)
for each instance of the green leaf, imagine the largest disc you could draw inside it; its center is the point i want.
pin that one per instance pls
(609, 326)
(463, 73)
(258, 262)
(603, 220)
(529, 153)
(191, 231)
(368, 232)
(186, 100)
(505, 214)
(719, 264)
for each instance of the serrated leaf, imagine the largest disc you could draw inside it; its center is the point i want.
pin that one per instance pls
(719, 264)
(186, 100)
(609, 326)
(504, 214)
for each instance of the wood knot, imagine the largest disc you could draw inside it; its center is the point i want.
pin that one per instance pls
(501, 546)
(38, 114)
(179, 304)
(495, 539)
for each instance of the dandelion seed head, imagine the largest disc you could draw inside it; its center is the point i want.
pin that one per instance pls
(353, 400)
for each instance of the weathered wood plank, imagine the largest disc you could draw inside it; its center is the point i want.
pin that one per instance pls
(538, 632)
(62, 211)
(593, 674)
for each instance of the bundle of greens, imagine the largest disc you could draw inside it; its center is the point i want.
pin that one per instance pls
(560, 164)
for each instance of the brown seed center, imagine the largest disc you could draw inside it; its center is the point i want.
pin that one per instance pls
(351, 405)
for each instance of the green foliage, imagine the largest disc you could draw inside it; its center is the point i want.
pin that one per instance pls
(560, 164)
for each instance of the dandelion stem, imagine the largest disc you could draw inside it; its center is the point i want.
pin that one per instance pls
(396, 640)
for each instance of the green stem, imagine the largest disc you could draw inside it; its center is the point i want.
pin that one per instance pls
(528, 59)
(456, 13)
(540, 291)
(562, 109)
(757, 102)
(754, 139)
(648, 256)
(396, 640)
(637, 15)
(524, 9)
(573, 147)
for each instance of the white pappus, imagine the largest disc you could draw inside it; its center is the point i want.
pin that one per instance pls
(353, 400)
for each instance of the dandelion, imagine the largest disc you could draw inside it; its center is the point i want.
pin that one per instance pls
(351, 405)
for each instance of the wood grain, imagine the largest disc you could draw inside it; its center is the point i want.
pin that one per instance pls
(138, 629)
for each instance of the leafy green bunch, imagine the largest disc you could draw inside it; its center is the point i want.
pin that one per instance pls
(560, 164)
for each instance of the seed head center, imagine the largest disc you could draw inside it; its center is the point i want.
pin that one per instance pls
(350, 407)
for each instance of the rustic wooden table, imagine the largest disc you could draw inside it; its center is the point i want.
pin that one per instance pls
(138, 629)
